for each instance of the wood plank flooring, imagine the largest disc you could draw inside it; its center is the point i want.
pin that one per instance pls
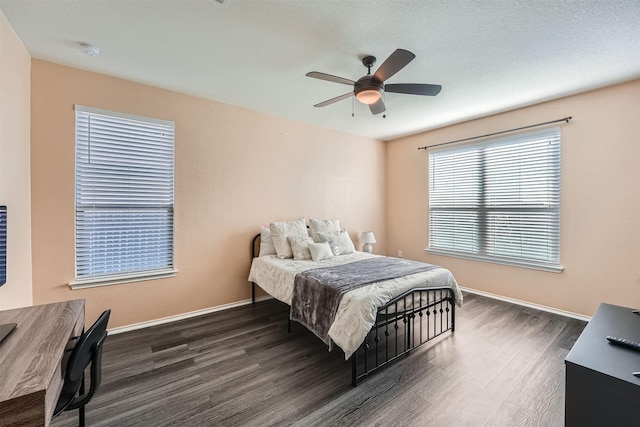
(504, 366)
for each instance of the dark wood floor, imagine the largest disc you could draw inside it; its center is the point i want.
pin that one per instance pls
(504, 366)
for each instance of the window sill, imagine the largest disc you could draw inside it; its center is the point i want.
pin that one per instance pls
(123, 278)
(511, 263)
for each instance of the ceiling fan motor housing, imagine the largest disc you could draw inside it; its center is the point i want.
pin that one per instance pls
(368, 84)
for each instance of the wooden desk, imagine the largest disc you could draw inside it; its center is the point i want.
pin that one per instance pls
(31, 360)
(600, 387)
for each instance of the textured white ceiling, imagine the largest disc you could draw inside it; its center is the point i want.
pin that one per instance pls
(488, 55)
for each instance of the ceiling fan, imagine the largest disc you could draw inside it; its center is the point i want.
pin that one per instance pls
(369, 89)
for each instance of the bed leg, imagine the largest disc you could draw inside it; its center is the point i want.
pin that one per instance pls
(354, 366)
(253, 294)
(453, 316)
(452, 303)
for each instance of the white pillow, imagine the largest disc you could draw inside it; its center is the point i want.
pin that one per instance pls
(339, 242)
(322, 226)
(283, 229)
(320, 251)
(266, 245)
(300, 247)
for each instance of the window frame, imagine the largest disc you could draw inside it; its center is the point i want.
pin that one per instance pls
(482, 209)
(112, 278)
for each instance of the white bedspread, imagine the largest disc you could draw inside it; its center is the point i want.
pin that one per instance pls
(357, 310)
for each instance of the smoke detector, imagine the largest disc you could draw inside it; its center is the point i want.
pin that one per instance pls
(89, 49)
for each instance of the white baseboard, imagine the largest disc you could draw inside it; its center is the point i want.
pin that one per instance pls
(196, 313)
(183, 316)
(528, 304)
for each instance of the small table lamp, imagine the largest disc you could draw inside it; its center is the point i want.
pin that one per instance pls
(367, 238)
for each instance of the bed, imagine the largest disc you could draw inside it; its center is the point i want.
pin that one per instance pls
(377, 317)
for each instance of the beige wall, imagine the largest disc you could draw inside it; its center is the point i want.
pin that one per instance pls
(15, 64)
(235, 170)
(600, 207)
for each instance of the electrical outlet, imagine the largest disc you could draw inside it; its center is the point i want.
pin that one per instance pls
(399, 253)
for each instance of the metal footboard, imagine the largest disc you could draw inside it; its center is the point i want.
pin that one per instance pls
(403, 324)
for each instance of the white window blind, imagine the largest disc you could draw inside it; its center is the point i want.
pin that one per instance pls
(498, 200)
(124, 195)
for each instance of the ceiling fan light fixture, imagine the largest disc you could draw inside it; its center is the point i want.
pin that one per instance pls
(369, 96)
(367, 90)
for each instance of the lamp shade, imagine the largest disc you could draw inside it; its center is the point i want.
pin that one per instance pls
(367, 237)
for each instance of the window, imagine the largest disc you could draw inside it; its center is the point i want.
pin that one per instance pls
(498, 201)
(124, 197)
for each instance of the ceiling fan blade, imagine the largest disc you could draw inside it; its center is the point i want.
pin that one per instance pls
(332, 100)
(394, 63)
(377, 107)
(330, 78)
(413, 89)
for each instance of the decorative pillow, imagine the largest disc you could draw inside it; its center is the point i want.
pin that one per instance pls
(281, 230)
(320, 251)
(266, 245)
(322, 226)
(339, 242)
(300, 247)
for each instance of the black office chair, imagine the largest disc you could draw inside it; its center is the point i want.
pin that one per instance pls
(88, 350)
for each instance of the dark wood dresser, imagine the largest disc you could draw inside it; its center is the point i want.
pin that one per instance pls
(600, 387)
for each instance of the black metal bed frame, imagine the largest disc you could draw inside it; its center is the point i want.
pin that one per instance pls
(403, 324)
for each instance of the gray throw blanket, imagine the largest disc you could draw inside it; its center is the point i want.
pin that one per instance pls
(317, 293)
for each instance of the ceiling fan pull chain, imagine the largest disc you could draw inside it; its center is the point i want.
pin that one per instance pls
(384, 98)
